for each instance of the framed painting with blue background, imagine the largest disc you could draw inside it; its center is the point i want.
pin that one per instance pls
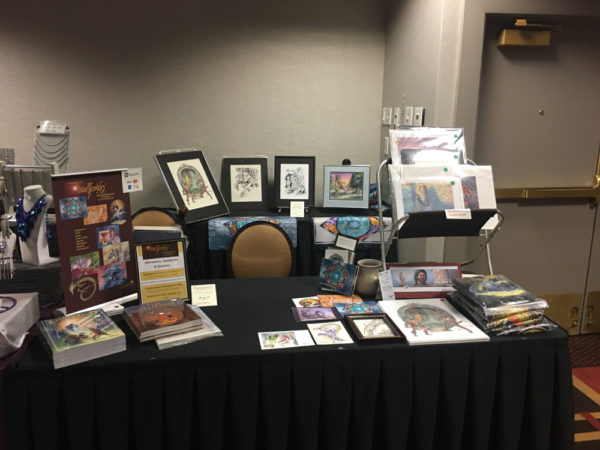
(346, 187)
(244, 182)
(191, 184)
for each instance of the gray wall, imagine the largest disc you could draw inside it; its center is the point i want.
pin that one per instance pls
(241, 78)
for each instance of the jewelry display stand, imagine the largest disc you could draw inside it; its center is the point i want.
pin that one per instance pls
(31, 220)
(8, 241)
(437, 224)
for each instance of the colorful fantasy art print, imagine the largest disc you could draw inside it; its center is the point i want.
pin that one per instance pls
(345, 309)
(306, 302)
(364, 229)
(313, 314)
(329, 300)
(423, 280)
(470, 195)
(337, 277)
(72, 207)
(191, 184)
(427, 196)
(346, 187)
(271, 340)
(95, 214)
(117, 211)
(94, 253)
(429, 321)
(222, 230)
(329, 333)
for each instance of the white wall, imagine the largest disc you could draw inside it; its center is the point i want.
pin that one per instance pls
(243, 78)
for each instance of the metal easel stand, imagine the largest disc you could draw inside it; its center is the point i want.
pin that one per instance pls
(436, 224)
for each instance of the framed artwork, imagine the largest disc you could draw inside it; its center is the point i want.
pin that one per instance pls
(191, 185)
(423, 280)
(294, 180)
(244, 182)
(374, 328)
(346, 187)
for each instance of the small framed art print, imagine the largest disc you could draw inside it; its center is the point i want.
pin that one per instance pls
(294, 180)
(244, 182)
(346, 187)
(374, 328)
(191, 184)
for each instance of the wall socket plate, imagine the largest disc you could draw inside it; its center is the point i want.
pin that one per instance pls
(418, 116)
(408, 116)
(396, 116)
(386, 116)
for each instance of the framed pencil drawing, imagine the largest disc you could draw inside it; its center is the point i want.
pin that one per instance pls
(191, 184)
(294, 180)
(244, 182)
(346, 187)
(374, 328)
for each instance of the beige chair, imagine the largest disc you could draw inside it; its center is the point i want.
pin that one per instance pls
(153, 217)
(260, 250)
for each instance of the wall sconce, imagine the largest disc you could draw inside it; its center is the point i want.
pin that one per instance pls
(526, 34)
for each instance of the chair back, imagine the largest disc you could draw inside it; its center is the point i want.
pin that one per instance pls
(260, 250)
(154, 216)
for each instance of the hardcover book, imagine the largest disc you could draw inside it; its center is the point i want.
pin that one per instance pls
(162, 318)
(81, 337)
(431, 321)
(208, 330)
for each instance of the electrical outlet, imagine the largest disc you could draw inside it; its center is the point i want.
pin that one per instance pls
(408, 116)
(418, 116)
(386, 116)
(396, 117)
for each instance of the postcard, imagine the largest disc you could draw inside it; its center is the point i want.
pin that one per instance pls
(329, 333)
(357, 308)
(270, 340)
(307, 302)
(313, 314)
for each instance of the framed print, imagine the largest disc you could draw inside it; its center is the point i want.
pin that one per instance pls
(346, 187)
(191, 185)
(374, 328)
(244, 182)
(161, 271)
(423, 280)
(294, 180)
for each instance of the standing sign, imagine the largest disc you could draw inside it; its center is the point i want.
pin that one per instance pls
(93, 221)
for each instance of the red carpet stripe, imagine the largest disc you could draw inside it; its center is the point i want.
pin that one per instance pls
(591, 420)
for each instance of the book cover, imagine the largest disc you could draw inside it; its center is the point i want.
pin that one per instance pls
(431, 321)
(161, 318)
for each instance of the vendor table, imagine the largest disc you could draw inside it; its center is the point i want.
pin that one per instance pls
(225, 393)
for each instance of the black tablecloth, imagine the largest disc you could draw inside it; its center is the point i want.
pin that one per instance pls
(204, 263)
(225, 393)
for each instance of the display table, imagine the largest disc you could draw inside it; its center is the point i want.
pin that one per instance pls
(225, 393)
(205, 263)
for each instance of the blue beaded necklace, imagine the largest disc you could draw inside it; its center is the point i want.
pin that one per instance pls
(26, 220)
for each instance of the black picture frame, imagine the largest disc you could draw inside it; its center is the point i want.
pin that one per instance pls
(250, 193)
(354, 322)
(287, 169)
(184, 168)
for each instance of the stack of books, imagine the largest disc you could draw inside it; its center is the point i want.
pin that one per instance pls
(499, 306)
(208, 330)
(81, 337)
(163, 318)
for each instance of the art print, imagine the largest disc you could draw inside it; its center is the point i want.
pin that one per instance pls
(246, 183)
(329, 300)
(423, 281)
(118, 212)
(470, 194)
(108, 235)
(95, 214)
(313, 314)
(294, 182)
(427, 196)
(271, 340)
(72, 207)
(329, 333)
(346, 185)
(357, 308)
(192, 183)
(112, 275)
(306, 302)
(373, 328)
(115, 253)
(84, 265)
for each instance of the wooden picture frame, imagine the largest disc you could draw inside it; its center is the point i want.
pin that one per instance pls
(346, 186)
(294, 180)
(371, 328)
(244, 182)
(191, 184)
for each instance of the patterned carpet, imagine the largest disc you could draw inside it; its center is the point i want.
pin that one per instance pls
(585, 358)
